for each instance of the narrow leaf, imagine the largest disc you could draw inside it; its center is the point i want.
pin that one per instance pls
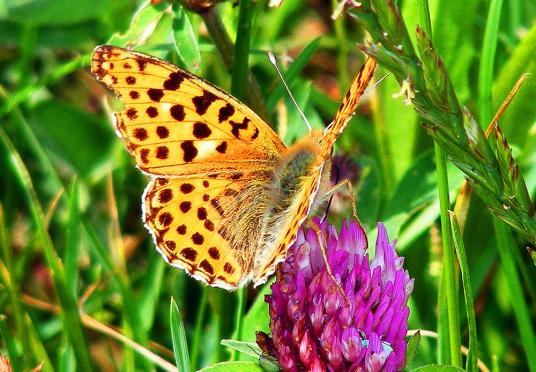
(438, 368)
(472, 356)
(234, 367)
(72, 251)
(184, 39)
(412, 347)
(248, 348)
(178, 335)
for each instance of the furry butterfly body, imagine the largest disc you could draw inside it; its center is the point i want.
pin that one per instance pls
(226, 197)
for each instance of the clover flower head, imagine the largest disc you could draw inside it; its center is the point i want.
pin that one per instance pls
(313, 326)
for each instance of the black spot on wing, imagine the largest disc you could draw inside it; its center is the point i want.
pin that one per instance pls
(151, 112)
(237, 127)
(201, 130)
(202, 103)
(155, 94)
(222, 147)
(190, 151)
(162, 132)
(177, 112)
(226, 112)
(174, 81)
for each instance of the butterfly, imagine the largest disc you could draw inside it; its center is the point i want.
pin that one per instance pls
(225, 197)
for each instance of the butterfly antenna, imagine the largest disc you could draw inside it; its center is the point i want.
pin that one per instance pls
(373, 86)
(335, 170)
(273, 61)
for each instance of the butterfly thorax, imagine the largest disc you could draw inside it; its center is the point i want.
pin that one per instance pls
(289, 186)
(294, 168)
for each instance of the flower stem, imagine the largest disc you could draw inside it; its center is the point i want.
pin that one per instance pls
(472, 354)
(241, 50)
(224, 44)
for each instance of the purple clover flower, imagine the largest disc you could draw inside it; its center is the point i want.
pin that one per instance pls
(312, 326)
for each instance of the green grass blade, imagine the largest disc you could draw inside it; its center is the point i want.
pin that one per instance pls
(9, 342)
(152, 290)
(487, 59)
(515, 292)
(25, 93)
(448, 251)
(239, 317)
(449, 267)
(8, 275)
(454, 26)
(72, 249)
(472, 355)
(521, 114)
(178, 335)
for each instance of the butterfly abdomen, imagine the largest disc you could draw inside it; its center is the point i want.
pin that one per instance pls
(296, 181)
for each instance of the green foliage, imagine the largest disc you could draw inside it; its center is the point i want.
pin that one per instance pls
(81, 286)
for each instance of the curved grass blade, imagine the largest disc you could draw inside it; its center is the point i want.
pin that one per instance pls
(178, 335)
(472, 354)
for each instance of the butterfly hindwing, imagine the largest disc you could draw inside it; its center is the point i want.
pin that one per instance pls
(293, 218)
(207, 225)
(175, 123)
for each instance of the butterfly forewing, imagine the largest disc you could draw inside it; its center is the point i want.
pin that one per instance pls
(177, 124)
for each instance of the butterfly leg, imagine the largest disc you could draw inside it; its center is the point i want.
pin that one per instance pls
(348, 185)
(323, 249)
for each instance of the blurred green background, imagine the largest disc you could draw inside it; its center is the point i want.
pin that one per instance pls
(71, 230)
